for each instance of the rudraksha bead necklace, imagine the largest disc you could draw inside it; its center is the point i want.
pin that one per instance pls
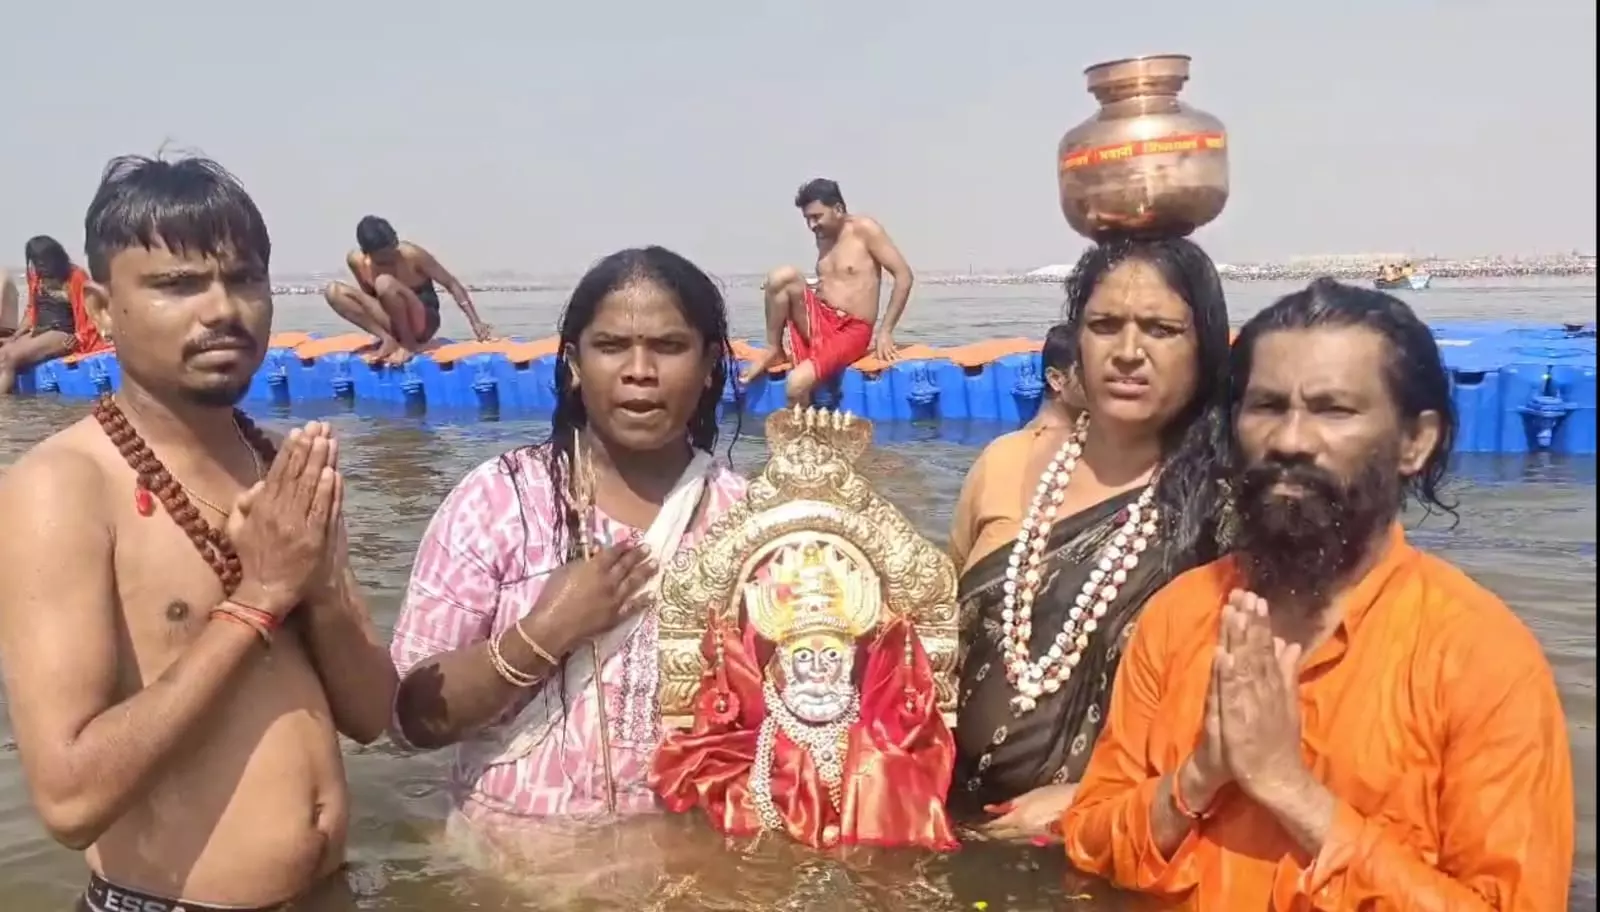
(155, 483)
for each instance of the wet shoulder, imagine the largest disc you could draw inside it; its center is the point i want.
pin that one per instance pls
(1460, 622)
(62, 478)
(865, 225)
(415, 254)
(71, 464)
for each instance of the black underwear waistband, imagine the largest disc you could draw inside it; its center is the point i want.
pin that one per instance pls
(103, 896)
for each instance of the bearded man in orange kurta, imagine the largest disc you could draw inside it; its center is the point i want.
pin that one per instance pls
(1331, 719)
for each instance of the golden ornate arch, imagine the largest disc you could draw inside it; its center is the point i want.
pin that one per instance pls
(809, 488)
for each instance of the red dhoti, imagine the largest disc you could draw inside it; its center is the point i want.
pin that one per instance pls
(837, 339)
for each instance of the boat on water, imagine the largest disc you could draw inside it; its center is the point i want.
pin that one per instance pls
(1417, 281)
(1401, 277)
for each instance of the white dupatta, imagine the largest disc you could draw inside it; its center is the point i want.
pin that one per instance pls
(536, 720)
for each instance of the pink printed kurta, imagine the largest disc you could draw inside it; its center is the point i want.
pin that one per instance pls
(480, 567)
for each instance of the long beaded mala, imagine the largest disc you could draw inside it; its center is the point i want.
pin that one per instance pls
(1033, 678)
(156, 484)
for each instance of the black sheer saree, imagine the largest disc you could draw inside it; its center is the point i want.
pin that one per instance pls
(1000, 755)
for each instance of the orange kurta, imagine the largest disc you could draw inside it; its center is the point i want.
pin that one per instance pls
(1432, 716)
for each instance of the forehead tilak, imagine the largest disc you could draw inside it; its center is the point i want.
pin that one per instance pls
(1135, 286)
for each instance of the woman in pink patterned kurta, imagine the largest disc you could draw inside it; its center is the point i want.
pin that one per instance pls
(501, 611)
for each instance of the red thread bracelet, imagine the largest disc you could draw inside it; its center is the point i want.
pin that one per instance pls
(253, 614)
(240, 618)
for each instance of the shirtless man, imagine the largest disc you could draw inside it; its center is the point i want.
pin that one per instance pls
(394, 297)
(831, 326)
(166, 723)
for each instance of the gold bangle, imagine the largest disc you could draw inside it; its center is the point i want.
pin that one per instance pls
(538, 650)
(513, 676)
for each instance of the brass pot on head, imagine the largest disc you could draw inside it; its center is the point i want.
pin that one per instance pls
(1145, 164)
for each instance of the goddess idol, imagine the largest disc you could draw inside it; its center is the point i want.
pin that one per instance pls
(808, 649)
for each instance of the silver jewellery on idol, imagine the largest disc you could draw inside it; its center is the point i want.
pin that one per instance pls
(825, 743)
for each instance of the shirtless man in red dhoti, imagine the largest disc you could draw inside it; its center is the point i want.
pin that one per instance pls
(831, 325)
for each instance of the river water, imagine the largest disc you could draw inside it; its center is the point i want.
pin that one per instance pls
(1527, 531)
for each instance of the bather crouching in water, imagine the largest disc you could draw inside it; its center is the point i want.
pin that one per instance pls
(395, 297)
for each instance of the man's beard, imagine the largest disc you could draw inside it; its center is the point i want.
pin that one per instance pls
(1301, 546)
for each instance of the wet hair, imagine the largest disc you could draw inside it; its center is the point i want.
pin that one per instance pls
(47, 258)
(1414, 371)
(819, 190)
(1191, 492)
(1060, 349)
(374, 233)
(190, 205)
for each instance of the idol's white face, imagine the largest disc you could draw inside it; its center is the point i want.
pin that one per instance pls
(814, 677)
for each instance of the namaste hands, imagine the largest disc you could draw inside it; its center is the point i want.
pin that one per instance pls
(288, 528)
(1251, 734)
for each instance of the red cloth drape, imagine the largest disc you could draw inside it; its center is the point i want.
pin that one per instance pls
(898, 762)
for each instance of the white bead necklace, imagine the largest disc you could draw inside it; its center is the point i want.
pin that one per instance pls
(1033, 678)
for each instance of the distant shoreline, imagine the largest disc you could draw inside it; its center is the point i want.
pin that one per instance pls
(1340, 268)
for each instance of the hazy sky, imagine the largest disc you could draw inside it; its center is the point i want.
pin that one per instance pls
(540, 136)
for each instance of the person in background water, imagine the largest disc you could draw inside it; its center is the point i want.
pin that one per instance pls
(1061, 402)
(1329, 717)
(395, 298)
(154, 552)
(831, 326)
(986, 519)
(536, 569)
(54, 322)
(1063, 530)
(8, 306)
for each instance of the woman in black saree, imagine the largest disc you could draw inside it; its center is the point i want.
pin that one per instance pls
(1066, 527)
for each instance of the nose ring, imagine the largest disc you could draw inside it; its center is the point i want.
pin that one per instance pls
(1139, 352)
